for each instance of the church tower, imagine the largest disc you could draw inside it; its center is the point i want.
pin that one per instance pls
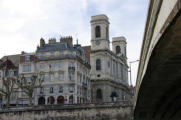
(109, 72)
(99, 32)
(119, 46)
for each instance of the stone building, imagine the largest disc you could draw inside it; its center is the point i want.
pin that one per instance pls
(109, 69)
(8, 71)
(65, 70)
(27, 68)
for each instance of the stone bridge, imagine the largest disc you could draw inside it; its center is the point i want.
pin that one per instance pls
(158, 87)
(95, 111)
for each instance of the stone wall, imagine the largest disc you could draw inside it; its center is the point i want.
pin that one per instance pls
(101, 111)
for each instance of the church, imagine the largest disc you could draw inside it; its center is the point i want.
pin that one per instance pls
(109, 69)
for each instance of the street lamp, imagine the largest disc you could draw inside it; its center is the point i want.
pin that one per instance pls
(130, 69)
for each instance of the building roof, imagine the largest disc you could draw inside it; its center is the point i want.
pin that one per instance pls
(58, 46)
(14, 58)
(8, 64)
(87, 50)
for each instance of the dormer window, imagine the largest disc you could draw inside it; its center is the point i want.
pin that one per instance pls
(98, 31)
(27, 58)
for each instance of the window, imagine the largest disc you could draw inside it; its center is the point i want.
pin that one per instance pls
(27, 58)
(11, 73)
(6, 72)
(98, 64)
(13, 96)
(99, 94)
(71, 64)
(42, 66)
(78, 90)
(108, 64)
(46, 77)
(80, 78)
(71, 75)
(58, 64)
(41, 90)
(26, 68)
(71, 89)
(51, 77)
(16, 73)
(55, 65)
(23, 94)
(42, 76)
(28, 79)
(61, 76)
(98, 31)
(118, 50)
(51, 90)
(61, 89)
(52, 54)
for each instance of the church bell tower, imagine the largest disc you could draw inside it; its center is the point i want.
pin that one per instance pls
(99, 32)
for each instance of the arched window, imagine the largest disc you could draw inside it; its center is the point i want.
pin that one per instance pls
(118, 49)
(41, 101)
(99, 94)
(51, 100)
(98, 31)
(98, 64)
(71, 99)
(60, 100)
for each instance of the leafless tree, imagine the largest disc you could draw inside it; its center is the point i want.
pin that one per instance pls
(7, 88)
(28, 87)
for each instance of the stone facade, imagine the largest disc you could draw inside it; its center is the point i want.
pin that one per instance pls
(109, 69)
(64, 69)
(8, 71)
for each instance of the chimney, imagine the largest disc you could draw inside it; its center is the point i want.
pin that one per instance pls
(42, 42)
(52, 41)
(67, 39)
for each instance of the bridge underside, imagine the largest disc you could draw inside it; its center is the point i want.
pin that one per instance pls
(160, 91)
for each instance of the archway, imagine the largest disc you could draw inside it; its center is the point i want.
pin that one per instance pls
(41, 101)
(60, 100)
(51, 100)
(71, 99)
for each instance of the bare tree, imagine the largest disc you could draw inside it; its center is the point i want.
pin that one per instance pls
(7, 88)
(28, 87)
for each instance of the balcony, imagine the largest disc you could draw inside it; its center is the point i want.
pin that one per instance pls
(71, 68)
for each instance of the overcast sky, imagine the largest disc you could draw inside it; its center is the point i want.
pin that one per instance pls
(24, 22)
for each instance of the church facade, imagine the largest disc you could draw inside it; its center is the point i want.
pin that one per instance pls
(109, 69)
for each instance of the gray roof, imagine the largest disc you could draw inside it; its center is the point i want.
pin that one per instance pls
(55, 47)
(14, 58)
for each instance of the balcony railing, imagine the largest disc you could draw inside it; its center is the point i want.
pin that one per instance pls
(70, 68)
